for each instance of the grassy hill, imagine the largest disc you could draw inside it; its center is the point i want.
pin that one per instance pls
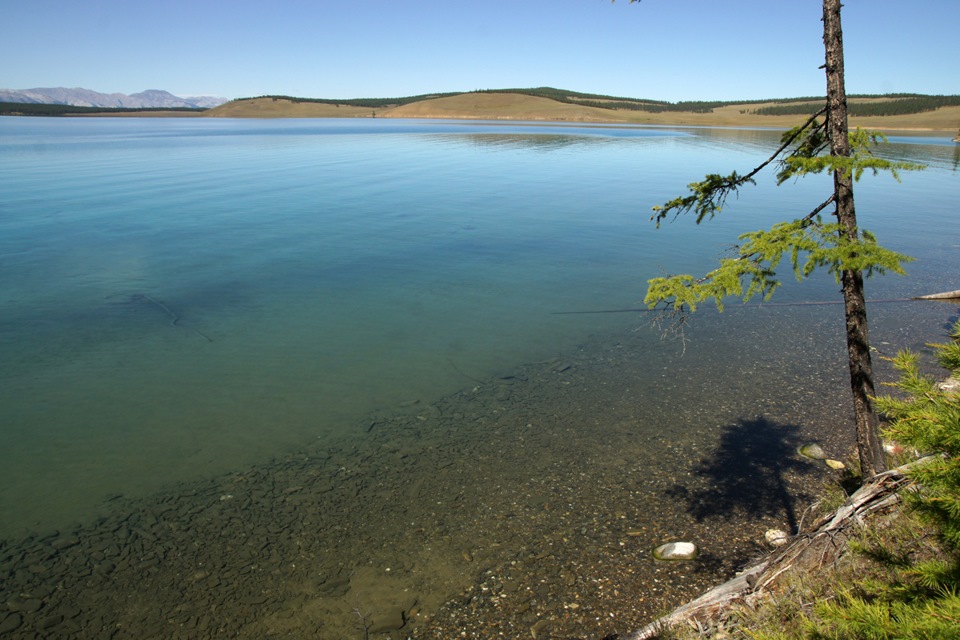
(903, 111)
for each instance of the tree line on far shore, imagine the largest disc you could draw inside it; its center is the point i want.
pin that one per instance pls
(42, 109)
(894, 105)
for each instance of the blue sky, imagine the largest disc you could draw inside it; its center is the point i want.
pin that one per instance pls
(660, 49)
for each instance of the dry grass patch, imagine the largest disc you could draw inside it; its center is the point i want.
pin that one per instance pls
(505, 106)
(281, 108)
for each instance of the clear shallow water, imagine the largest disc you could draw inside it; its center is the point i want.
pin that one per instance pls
(185, 297)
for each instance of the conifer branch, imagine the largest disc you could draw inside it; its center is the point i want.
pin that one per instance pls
(708, 196)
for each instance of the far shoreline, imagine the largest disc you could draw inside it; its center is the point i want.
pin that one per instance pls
(507, 107)
(894, 113)
(678, 120)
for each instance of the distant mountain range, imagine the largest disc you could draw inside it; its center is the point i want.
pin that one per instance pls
(149, 99)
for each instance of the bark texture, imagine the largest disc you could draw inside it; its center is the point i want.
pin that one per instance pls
(869, 447)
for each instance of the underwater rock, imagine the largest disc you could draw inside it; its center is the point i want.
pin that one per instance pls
(676, 551)
(387, 620)
(11, 622)
(812, 450)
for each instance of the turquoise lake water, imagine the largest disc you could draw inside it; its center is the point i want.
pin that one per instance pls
(184, 297)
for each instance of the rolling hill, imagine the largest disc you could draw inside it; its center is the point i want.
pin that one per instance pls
(935, 113)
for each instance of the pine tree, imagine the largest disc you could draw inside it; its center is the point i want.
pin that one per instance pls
(822, 144)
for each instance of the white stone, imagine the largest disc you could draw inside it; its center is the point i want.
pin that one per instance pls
(676, 551)
(776, 537)
(950, 385)
(835, 464)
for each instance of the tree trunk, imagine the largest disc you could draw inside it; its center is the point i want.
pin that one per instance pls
(869, 447)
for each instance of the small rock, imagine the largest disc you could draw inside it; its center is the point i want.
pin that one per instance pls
(676, 551)
(65, 543)
(538, 627)
(834, 464)
(27, 605)
(335, 588)
(11, 623)
(50, 621)
(812, 450)
(389, 620)
(776, 537)
(950, 385)
(69, 612)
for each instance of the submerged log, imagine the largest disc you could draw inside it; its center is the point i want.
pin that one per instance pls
(946, 295)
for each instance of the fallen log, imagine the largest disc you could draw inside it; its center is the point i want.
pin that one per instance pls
(946, 295)
(806, 552)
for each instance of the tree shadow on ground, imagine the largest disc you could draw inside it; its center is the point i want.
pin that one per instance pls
(747, 475)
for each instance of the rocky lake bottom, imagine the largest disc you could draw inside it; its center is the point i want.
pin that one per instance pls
(524, 504)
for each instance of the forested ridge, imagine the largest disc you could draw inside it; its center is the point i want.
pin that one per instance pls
(888, 104)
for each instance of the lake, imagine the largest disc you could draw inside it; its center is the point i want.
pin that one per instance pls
(387, 314)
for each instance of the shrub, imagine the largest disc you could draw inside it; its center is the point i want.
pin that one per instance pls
(918, 597)
(927, 419)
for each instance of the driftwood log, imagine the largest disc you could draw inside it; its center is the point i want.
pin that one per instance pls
(946, 295)
(807, 552)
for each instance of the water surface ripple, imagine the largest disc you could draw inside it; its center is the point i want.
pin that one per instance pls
(308, 367)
